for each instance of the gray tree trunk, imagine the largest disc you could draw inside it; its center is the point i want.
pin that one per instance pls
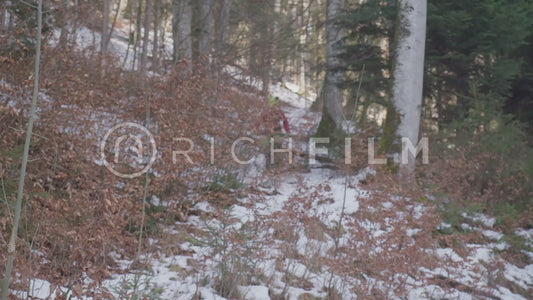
(63, 23)
(302, 44)
(223, 28)
(3, 16)
(276, 34)
(105, 27)
(409, 70)
(138, 24)
(146, 40)
(75, 23)
(11, 247)
(331, 92)
(115, 18)
(204, 37)
(181, 30)
(157, 22)
(176, 12)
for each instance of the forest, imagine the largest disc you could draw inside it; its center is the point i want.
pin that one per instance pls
(266, 149)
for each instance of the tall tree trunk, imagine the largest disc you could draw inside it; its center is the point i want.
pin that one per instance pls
(409, 71)
(222, 27)
(162, 32)
(63, 22)
(75, 24)
(11, 247)
(266, 39)
(176, 13)
(157, 23)
(137, 37)
(332, 94)
(105, 27)
(276, 38)
(115, 18)
(266, 68)
(252, 58)
(146, 40)
(302, 20)
(3, 15)
(185, 32)
(9, 20)
(181, 30)
(204, 37)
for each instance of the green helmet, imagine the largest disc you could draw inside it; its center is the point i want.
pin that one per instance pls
(273, 101)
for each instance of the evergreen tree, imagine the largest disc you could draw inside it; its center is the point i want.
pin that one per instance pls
(475, 43)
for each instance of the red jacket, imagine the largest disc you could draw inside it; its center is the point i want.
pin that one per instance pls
(285, 122)
(273, 117)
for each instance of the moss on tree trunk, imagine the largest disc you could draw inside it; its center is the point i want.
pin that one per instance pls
(327, 129)
(389, 129)
(392, 119)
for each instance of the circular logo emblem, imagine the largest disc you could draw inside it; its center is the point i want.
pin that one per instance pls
(128, 149)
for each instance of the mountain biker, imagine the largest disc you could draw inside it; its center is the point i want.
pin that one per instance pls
(277, 117)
